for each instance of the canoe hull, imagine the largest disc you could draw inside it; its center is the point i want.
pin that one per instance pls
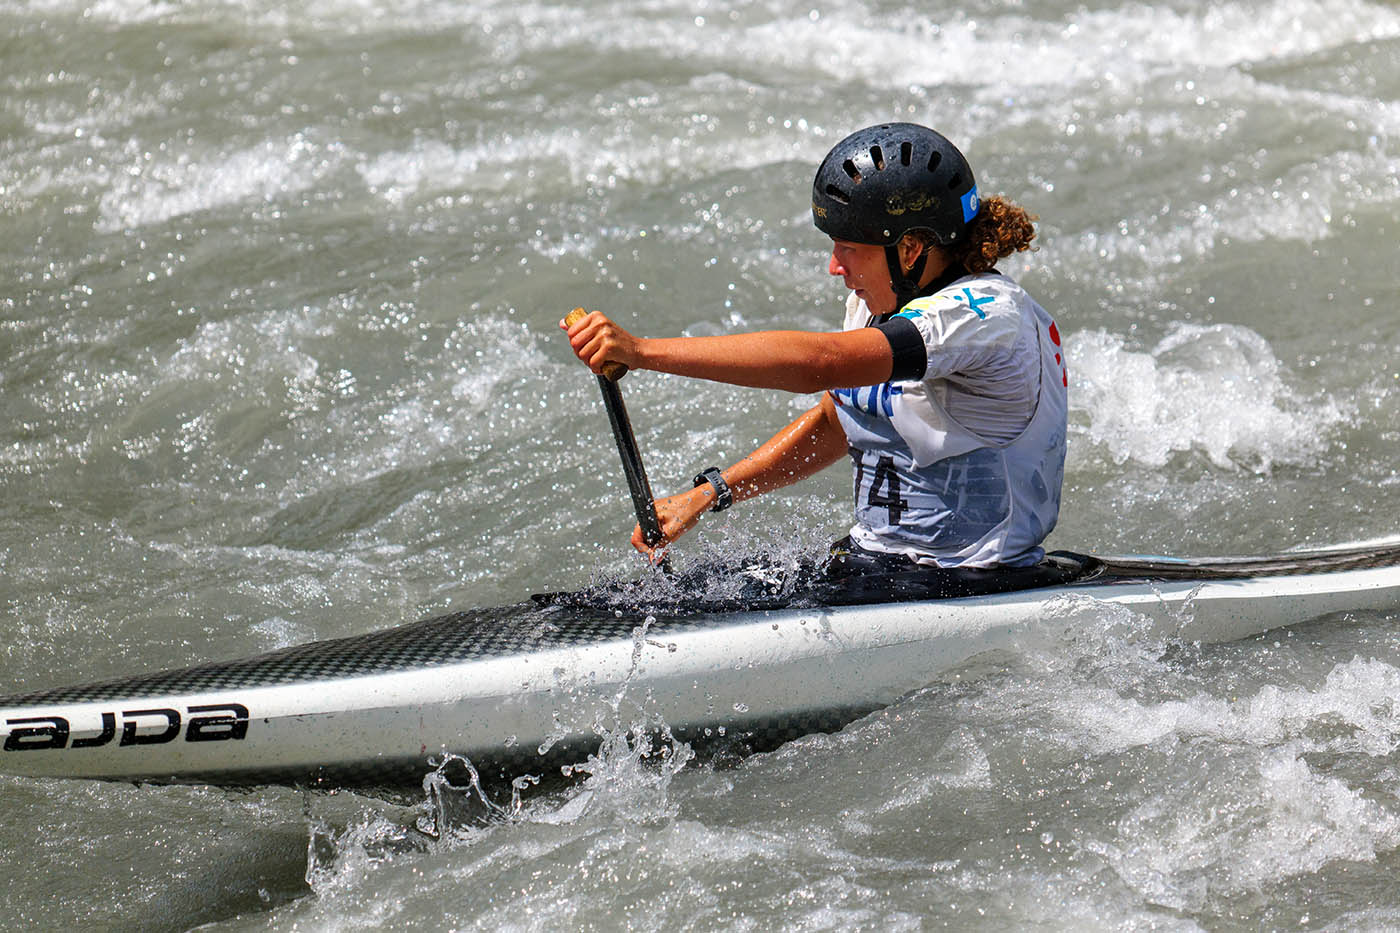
(519, 689)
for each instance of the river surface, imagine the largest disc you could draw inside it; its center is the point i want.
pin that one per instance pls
(279, 284)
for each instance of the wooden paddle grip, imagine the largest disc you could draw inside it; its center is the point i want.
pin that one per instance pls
(613, 371)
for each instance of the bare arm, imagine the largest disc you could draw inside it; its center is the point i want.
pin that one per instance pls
(814, 441)
(797, 361)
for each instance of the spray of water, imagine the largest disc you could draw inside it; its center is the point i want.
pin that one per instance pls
(1215, 390)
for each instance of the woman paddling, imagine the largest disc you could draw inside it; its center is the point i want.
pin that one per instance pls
(947, 385)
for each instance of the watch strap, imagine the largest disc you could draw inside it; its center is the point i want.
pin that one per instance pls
(724, 497)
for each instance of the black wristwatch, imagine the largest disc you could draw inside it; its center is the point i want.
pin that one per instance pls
(724, 498)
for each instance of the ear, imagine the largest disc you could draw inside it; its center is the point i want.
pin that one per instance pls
(910, 249)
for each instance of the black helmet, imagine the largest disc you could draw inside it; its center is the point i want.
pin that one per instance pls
(884, 181)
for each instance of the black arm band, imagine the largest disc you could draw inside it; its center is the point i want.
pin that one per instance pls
(724, 498)
(907, 345)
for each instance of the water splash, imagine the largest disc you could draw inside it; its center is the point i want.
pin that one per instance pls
(629, 776)
(341, 861)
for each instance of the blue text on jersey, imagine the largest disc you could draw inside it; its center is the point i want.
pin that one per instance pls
(877, 400)
(977, 303)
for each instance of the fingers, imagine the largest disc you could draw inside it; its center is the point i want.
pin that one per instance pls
(676, 515)
(654, 554)
(585, 326)
(670, 528)
(597, 341)
(596, 352)
(581, 331)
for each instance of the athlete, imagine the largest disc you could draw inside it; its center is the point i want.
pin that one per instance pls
(946, 386)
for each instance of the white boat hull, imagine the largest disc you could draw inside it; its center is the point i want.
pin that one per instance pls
(496, 686)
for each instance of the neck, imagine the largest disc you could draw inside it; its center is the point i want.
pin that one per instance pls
(936, 265)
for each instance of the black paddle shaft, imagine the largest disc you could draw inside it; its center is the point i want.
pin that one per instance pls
(631, 461)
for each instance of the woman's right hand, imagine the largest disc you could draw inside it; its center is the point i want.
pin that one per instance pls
(601, 343)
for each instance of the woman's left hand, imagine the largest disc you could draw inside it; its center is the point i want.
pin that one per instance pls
(676, 515)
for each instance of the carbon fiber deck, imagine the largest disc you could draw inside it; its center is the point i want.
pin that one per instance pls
(1234, 568)
(461, 636)
(576, 619)
(559, 620)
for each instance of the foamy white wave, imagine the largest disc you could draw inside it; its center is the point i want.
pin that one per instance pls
(1124, 44)
(568, 158)
(497, 351)
(1224, 34)
(839, 41)
(1352, 700)
(1303, 205)
(1234, 822)
(650, 140)
(116, 11)
(1284, 819)
(417, 420)
(277, 632)
(162, 188)
(428, 167)
(844, 39)
(961, 764)
(1218, 390)
(237, 347)
(1128, 43)
(847, 40)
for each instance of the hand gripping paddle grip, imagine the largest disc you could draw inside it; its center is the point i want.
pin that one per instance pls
(637, 484)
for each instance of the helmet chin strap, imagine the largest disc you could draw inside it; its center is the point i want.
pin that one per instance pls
(905, 285)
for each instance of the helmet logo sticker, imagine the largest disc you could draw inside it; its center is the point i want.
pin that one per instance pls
(910, 200)
(970, 204)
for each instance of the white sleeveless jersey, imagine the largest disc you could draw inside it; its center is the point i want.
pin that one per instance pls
(963, 467)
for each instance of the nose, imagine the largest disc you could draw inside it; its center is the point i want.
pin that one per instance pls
(835, 267)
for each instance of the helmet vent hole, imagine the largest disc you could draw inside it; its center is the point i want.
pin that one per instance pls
(837, 194)
(955, 181)
(877, 155)
(906, 154)
(851, 170)
(934, 159)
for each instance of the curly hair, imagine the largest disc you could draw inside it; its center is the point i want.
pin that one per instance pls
(1000, 228)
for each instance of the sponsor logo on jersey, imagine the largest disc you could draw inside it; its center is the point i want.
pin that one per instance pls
(873, 400)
